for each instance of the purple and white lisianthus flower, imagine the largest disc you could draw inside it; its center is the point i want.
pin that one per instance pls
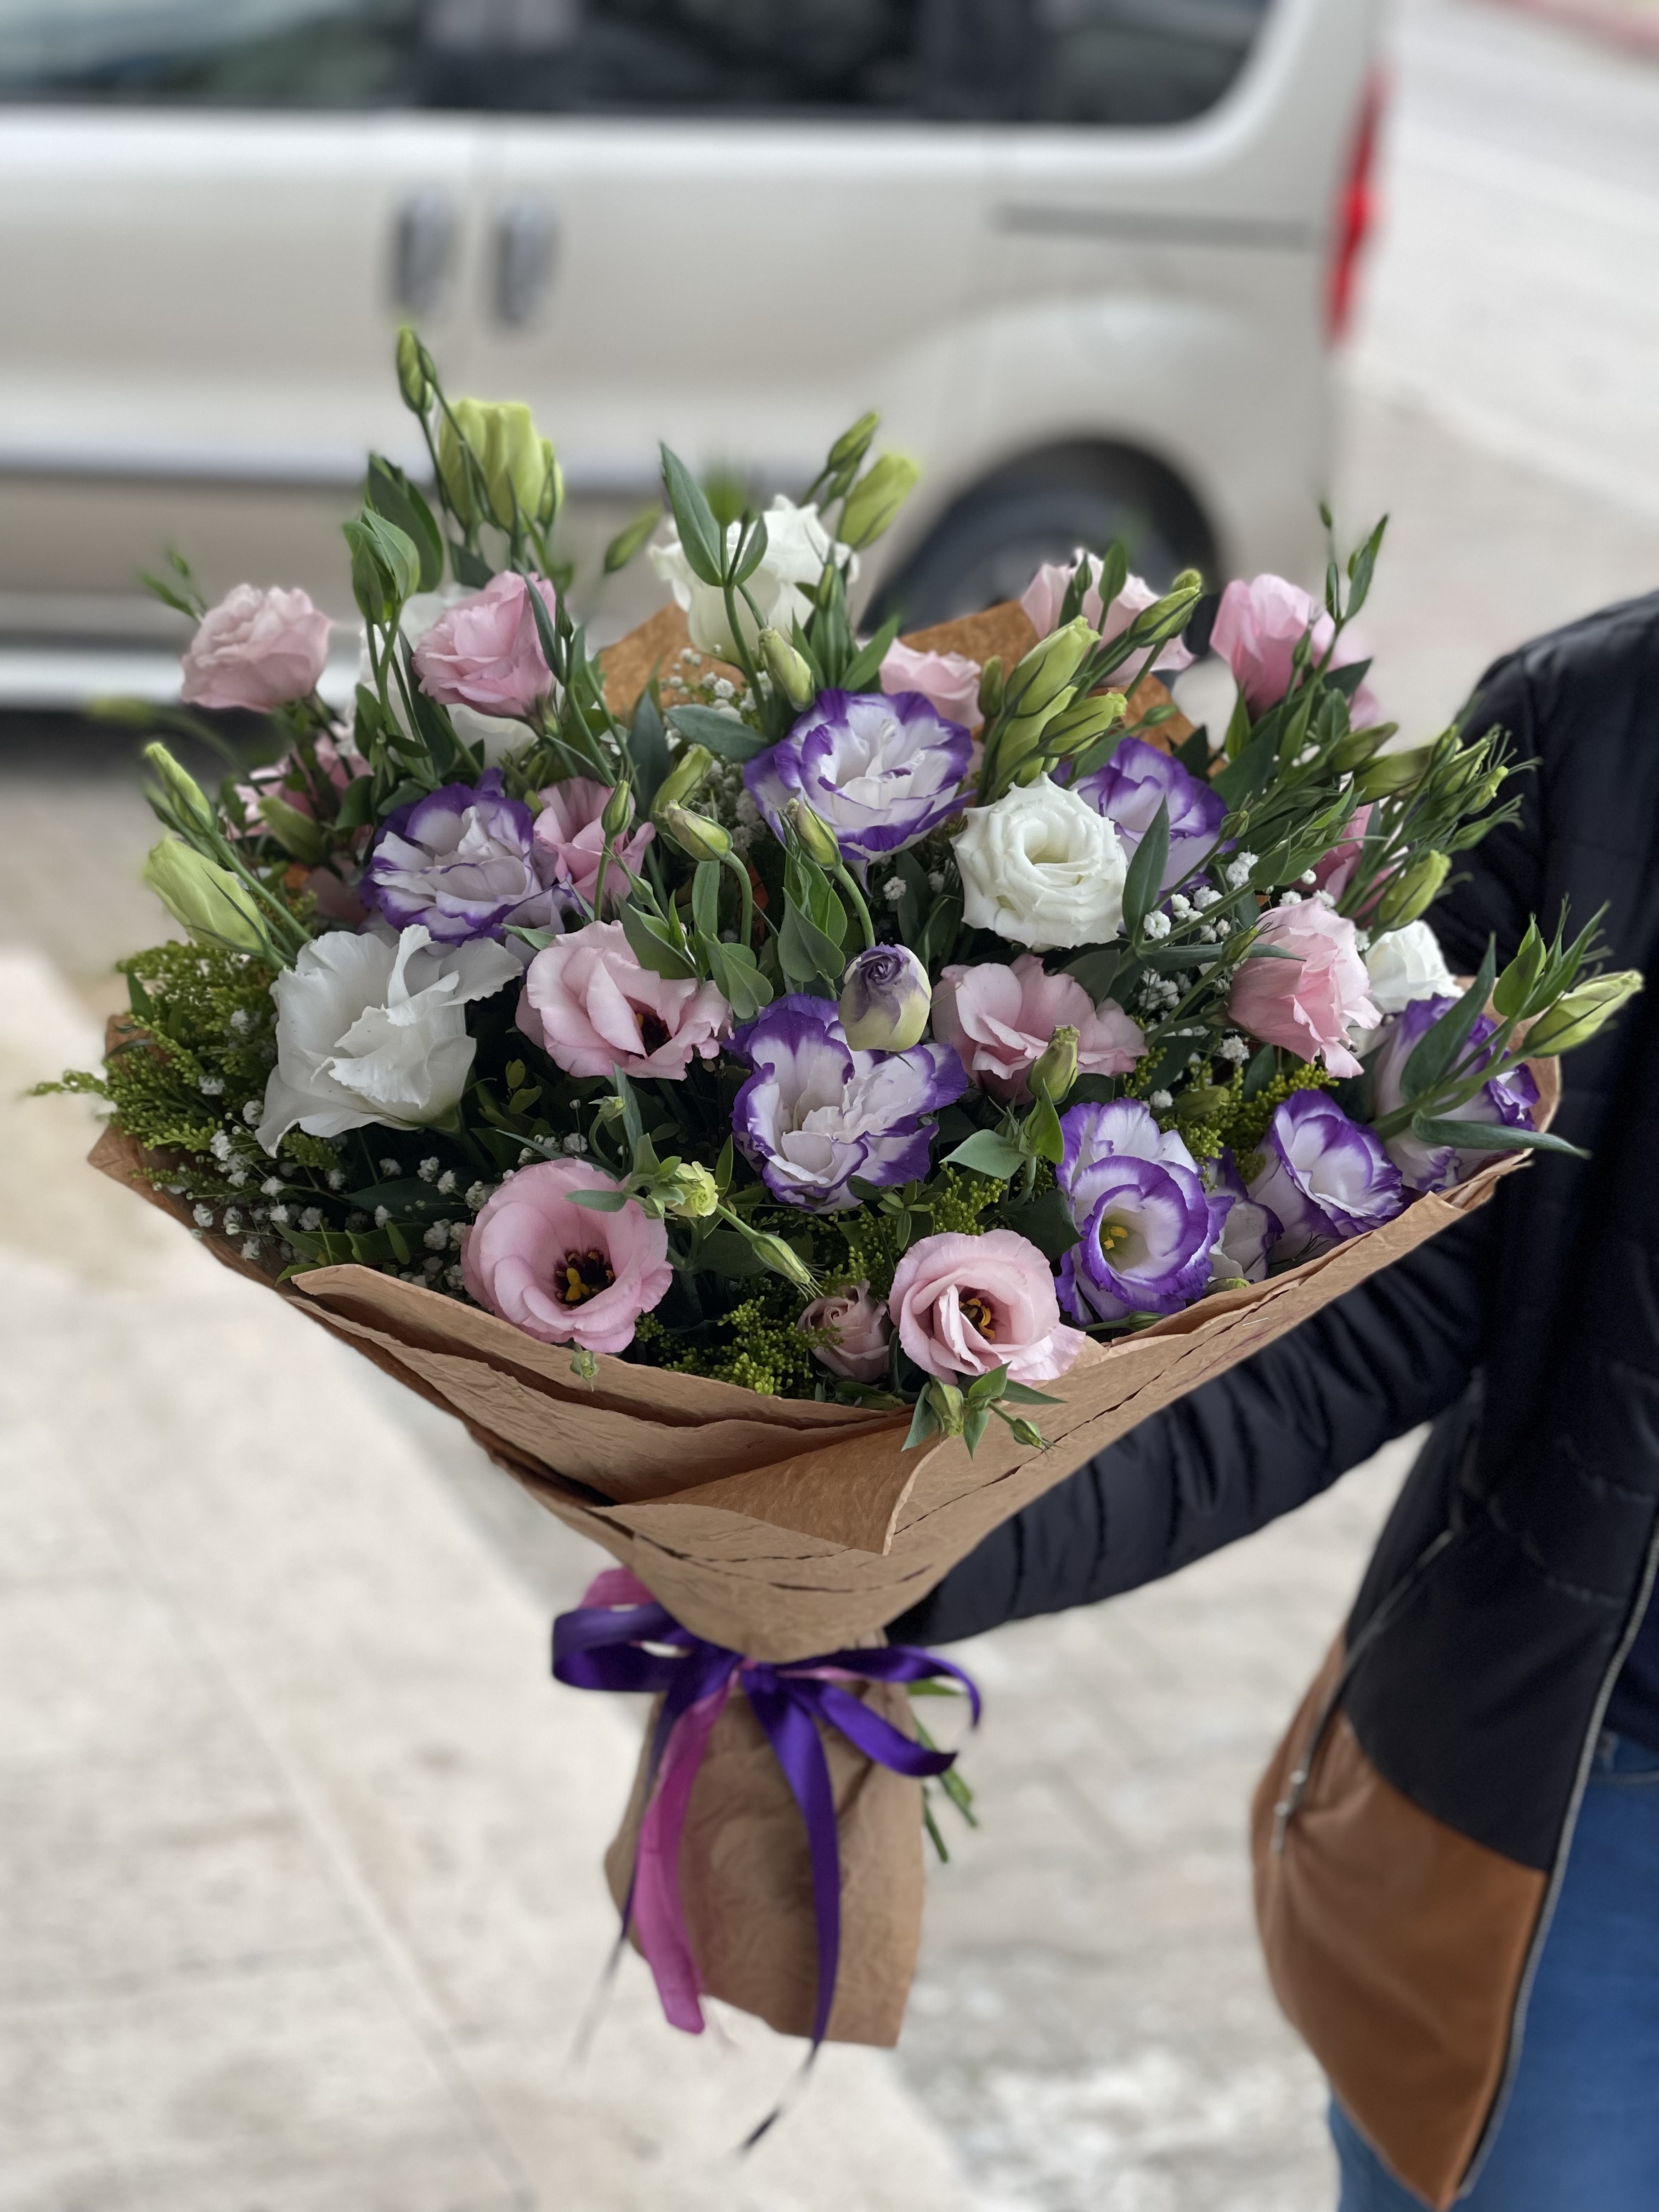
(881, 771)
(1129, 790)
(461, 862)
(1145, 1223)
(814, 1114)
(1249, 1232)
(1509, 1099)
(1326, 1178)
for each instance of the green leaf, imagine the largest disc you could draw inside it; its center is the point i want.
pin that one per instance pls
(1438, 1051)
(390, 494)
(1361, 565)
(924, 1425)
(939, 931)
(386, 563)
(599, 1201)
(648, 747)
(296, 833)
(723, 735)
(706, 897)
(628, 541)
(1021, 1394)
(655, 945)
(974, 1422)
(988, 1154)
(1046, 1222)
(693, 519)
(986, 1388)
(1140, 885)
(470, 570)
(356, 807)
(1490, 1137)
(752, 549)
(736, 975)
(1194, 754)
(1096, 969)
(862, 670)
(724, 1252)
(1043, 1132)
(806, 952)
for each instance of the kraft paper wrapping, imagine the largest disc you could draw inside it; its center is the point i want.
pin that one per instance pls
(745, 1877)
(784, 1528)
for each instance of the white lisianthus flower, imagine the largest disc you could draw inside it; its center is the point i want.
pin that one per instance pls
(497, 733)
(1041, 868)
(1405, 964)
(797, 547)
(373, 1028)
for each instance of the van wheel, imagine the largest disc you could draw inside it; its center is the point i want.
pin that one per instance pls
(991, 542)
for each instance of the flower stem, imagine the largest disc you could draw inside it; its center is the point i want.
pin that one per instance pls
(844, 877)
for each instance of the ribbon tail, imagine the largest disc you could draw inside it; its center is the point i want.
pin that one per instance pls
(654, 1903)
(800, 1752)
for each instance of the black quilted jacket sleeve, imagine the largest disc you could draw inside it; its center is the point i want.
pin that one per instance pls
(1273, 1433)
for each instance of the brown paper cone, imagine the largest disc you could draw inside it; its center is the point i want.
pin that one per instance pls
(745, 1877)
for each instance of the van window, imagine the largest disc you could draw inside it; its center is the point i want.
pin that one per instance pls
(1128, 63)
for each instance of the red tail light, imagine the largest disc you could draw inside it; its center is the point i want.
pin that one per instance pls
(1355, 212)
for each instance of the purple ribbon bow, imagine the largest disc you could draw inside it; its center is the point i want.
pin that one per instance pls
(621, 1639)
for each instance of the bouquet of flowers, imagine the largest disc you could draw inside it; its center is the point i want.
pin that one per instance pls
(797, 1095)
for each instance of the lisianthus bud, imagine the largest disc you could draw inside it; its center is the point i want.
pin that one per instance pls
(1055, 1071)
(876, 499)
(787, 668)
(948, 1407)
(993, 688)
(552, 498)
(618, 811)
(180, 789)
(693, 1195)
(817, 839)
(1049, 668)
(688, 774)
(206, 901)
(850, 449)
(1353, 751)
(697, 837)
(514, 461)
(1412, 891)
(778, 1256)
(885, 1000)
(414, 371)
(1575, 1018)
(1081, 723)
(1391, 773)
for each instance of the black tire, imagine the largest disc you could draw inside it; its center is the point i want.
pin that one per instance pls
(991, 542)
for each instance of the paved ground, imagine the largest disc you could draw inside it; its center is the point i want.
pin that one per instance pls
(299, 1846)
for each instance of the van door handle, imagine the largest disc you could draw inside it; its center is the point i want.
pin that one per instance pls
(526, 250)
(423, 250)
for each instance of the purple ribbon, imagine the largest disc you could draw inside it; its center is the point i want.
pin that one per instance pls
(621, 1639)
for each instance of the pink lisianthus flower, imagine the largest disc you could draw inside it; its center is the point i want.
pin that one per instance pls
(1045, 595)
(570, 838)
(256, 649)
(339, 763)
(1308, 1003)
(485, 652)
(559, 1270)
(948, 681)
(998, 1020)
(1258, 626)
(858, 1349)
(965, 1305)
(592, 1007)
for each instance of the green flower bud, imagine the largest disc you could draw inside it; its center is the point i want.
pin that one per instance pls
(515, 463)
(1026, 1432)
(777, 1256)
(787, 668)
(948, 1406)
(885, 999)
(1050, 667)
(1082, 721)
(688, 774)
(992, 689)
(697, 837)
(692, 1195)
(414, 371)
(1515, 987)
(876, 499)
(1412, 891)
(206, 901)
(179, 787)
(850, 449)
(552, 498)
(1353, 751)
(618, 811)
(1390, 774)
(1023, 734)
(1056, 1070)
(1575, 1018)
(817, 839)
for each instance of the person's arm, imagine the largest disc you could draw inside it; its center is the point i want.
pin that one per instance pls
(1256, 1443)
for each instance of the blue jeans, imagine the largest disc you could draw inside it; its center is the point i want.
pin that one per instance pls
(1580, 2132)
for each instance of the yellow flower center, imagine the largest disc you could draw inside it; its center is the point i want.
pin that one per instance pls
(582, 1275)
(978, 1312)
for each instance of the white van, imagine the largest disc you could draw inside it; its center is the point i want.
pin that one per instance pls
(1087, 258)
